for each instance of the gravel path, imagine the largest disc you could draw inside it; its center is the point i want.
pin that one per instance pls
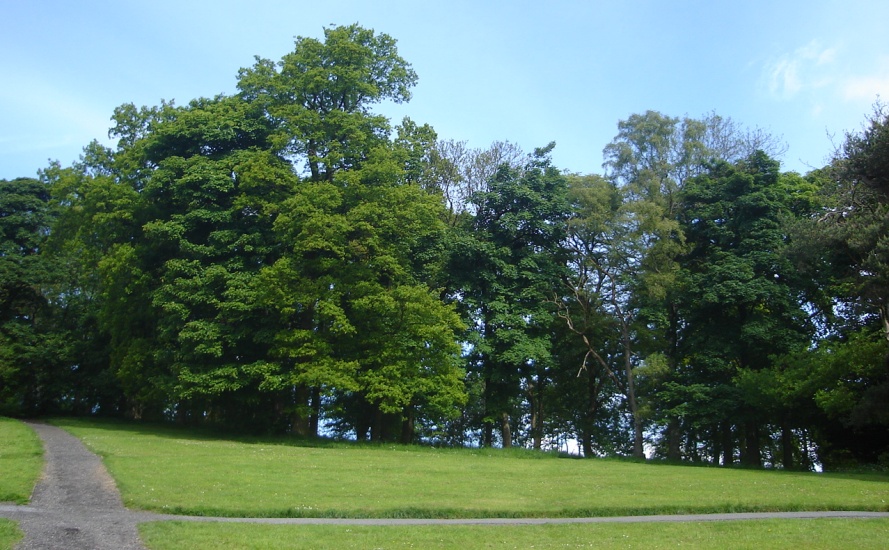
(76, 506)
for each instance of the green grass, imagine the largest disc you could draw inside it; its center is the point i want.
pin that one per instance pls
(21, 460)
(183, 472)
(10, 534)
(809, 534)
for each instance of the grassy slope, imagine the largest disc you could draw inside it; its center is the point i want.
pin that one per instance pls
(790, 534)
(177, 471)
(21, 460)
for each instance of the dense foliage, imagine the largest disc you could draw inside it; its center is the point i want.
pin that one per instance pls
(285, 260)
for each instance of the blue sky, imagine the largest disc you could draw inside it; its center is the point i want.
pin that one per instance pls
(526, 72)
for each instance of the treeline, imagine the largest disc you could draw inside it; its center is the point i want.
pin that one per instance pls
(285, 260)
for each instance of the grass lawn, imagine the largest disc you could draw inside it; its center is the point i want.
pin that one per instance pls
(183, 472)
(809, 534)
(21, 461)
(10, 534)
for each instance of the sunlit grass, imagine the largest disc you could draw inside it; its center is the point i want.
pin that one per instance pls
(809, 534)
(21, 460)
(180, 472)
(10, 534)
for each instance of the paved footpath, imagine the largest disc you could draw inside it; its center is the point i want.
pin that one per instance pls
(76, 506)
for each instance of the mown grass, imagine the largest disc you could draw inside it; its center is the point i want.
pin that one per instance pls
(182, 472)
(809, 534)
(21, 460)
(10, 534)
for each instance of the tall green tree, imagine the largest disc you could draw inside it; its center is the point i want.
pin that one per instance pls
(506, 265)
(651, 159)
(359, 324)
(595, 307)
(740, 305)
(32, 349)
(319, 96)
(196, 224)
(859, 224)
(94, 213)
(212, 201)
(174, 224)
(843, 251)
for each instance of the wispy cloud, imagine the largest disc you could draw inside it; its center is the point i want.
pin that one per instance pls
(806, 68)
(821, 76)
(868, 87)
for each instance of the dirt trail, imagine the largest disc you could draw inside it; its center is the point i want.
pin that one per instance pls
(76, 506)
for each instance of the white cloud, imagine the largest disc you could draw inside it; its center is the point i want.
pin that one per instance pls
(827, 56)
(783, 78)
(868, 87)
(803, 69)
(822, 77)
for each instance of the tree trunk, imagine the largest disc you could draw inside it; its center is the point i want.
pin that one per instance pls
(536, 439)
(592, 412)
(884, 315)
(182, 410)
(787, 444)
(299, 420)
(315, 415)
(505, 430)
(638, 449)
(488, 434)
(376, 426)
(715, 444)
(728, 449)
(752, 455)
(535, 399)
(312, 153)
(587, 445)
(674, 440)
(408, 425)
(363, 422)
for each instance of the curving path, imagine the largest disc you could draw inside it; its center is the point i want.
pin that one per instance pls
(76, 506)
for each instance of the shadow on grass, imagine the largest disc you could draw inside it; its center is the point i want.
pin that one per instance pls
(472, 513)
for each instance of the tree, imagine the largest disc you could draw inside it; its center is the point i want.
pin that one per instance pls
(740, 305)
(506, 265)
(174, 225)
(651, 159)
(94, 212)
(859, 223)
(33, 349)
(843, 252)
(358, 322)
(595, 303)
(194, 226)
(318, 96)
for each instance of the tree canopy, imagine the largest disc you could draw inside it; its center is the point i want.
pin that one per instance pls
(286, 259)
